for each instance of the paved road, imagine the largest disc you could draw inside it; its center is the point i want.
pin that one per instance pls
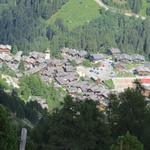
(114, 10)
(23, 139)
(102, 4)
(104, 72)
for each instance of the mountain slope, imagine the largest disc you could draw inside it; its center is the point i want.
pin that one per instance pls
(144, 8)
(22, 25)
(76, 12)
(139, 7)
(4, 6)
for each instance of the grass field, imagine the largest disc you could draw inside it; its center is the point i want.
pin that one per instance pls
(124, 74)
(144, 7)
(132, 66)
(109, 84)
(76, 13)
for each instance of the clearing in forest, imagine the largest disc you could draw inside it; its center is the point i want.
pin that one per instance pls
(76, 13)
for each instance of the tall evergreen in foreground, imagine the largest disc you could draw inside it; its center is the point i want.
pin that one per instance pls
(8, 135)
(77, 126)
(128, 142)
(128, 112)
(80, 125)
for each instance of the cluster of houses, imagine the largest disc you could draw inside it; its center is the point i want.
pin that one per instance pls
(58, 70)
(74, 53)
(142, 71)
(5, 49)
(114, 52)
(65, 75)
(125, 58)
(12, 61)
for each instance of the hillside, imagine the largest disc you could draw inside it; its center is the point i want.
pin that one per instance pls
(23, 25)
(76, 12)
(145, 7)
(140, 7)
(5, 6)
(32, 25)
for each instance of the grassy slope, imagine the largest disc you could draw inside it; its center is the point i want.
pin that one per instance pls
(132, 66)
(144, 7)
(76, 13)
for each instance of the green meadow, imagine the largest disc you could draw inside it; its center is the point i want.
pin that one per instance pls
(76, 13)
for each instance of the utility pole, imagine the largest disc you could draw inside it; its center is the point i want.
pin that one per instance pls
(23, 139)
(121, 142)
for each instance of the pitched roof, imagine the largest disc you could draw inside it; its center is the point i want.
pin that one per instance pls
(138, 57)
(143, 69)
(82, 53)
(5, 46)
(145, 81)
(114, 50)
(97, 56)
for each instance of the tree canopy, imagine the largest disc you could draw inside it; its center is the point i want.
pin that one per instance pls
(128, 112)
(8, 134)
(77, 126)
(128, 142)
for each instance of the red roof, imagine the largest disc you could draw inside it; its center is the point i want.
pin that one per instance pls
(145, 81)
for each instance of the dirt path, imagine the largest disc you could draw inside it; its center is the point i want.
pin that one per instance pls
(115, 10)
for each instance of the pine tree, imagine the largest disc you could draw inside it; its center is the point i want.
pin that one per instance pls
(128, 142)
(8, 137)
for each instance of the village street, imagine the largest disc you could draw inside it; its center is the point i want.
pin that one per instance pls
(104, 72)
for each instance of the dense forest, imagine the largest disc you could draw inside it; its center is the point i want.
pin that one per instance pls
(24, 26)
(80, 125)
(109, 30)
(30, 110)
(23, 22)
(106, 31)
